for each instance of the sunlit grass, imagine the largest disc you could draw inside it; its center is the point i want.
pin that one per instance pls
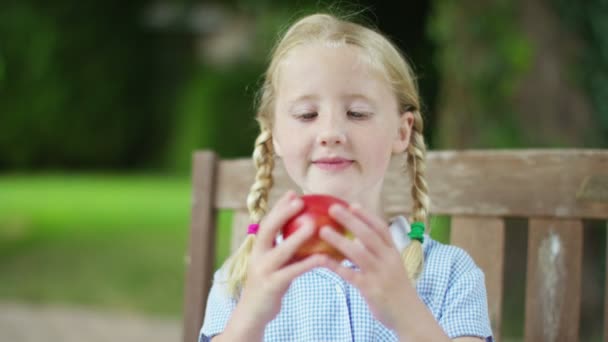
(105, 240)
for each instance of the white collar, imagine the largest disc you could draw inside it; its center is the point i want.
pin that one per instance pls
(400, 228)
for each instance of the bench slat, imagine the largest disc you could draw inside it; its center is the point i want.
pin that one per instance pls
(555, 253)
(201, 251)
(484, 183)
(484, 239)
(606, 292)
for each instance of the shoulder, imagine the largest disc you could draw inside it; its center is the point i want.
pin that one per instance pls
(441, 262)
(219, 286)
(448, 263)
(453, 287)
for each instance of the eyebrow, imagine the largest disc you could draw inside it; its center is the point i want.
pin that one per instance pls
(352, 96)
(358, 96)
(301, 98)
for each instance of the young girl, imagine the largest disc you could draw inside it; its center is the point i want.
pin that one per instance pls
(338, 102)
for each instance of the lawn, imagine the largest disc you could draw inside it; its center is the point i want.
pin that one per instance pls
(109, 241)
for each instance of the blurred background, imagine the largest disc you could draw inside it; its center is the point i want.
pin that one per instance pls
(103, 102)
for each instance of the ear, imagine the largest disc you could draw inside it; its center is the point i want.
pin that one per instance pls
(402, 140)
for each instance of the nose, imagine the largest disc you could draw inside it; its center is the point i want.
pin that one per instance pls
(331, 134)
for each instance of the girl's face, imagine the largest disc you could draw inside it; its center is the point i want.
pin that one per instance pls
(337, 122)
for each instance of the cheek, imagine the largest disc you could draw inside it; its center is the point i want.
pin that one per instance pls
(294, 154)
(292, 144)
(378, 151)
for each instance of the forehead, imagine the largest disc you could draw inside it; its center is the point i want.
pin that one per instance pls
(331, 69)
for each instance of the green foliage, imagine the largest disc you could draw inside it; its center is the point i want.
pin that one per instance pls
(77, 85)
(589, 19)
(2, 71)
(216, 106)
(79, 90)
(215, 111)
(485, 58)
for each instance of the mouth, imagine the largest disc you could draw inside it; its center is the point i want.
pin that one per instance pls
(333, 164)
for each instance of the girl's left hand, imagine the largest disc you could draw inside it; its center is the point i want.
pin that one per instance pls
(382, 279)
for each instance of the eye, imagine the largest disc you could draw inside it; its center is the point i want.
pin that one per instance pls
(357, 115)
(306, 116)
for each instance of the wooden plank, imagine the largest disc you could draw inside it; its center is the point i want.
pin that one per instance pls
(555, 252)
(240, 222)
(594, 188)
(199, 264)
(606, 291)
(486, 183)
(484, 239)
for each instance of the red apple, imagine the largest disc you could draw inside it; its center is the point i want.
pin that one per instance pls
(316, 207)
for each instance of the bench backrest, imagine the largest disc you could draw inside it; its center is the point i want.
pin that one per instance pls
(554, 190)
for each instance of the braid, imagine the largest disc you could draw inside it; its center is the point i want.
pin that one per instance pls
(412, 256)
(257, 204)
(257, 200)
(417, 161)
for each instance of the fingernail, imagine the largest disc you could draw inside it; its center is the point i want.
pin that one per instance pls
(310, 228)
(336, 208)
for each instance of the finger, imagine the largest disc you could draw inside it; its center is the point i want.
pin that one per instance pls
(286, 249)
(288, 206)
(352, 249)
(368, 236)
(373, 221)
(291, 271)
(346, 273)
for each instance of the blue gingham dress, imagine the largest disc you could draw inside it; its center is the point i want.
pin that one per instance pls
(321, 306)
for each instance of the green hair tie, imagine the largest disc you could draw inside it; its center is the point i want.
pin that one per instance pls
(417, 231)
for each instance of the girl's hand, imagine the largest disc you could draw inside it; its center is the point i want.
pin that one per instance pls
(270, 272)
(382, 279)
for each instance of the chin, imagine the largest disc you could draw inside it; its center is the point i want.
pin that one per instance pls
(343, 191)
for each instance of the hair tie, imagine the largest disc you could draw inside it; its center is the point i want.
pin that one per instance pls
(253, 228)
(417, 231)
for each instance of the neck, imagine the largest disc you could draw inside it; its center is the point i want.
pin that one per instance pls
(371, 201)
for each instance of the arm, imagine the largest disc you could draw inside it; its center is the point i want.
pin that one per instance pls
(420, 326)
(241, 327)
(464, 313)
(388, 291)
(269, 274)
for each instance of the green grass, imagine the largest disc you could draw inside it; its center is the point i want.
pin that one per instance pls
(108, 241)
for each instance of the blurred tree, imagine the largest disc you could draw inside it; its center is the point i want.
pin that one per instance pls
(507, 77)
(215, 108)
(405, 23)
(215, 111)
(84, 85)
(589, 21)
(157, 81)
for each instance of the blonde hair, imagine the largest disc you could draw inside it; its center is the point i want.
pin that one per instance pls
(384, 56)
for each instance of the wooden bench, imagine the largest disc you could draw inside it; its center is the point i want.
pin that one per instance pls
(554, 190)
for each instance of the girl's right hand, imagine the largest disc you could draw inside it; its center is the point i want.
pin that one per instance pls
(270, 272)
